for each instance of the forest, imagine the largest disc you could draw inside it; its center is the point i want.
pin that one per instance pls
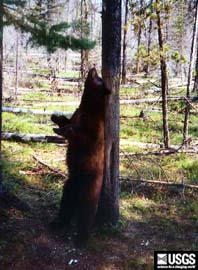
(146, 52)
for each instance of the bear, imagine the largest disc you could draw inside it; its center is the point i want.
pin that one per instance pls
(85, 157)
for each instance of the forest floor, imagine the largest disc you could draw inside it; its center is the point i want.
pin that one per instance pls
(152, 218)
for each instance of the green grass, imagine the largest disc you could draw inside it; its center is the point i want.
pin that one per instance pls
(34, 124)
(132, 129)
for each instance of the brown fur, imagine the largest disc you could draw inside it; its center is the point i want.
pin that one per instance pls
(85, 156)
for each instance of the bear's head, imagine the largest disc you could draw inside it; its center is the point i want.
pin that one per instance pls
(94, 85)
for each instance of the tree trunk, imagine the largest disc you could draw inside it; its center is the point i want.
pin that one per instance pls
(139, 41)
(164, 77)
(124, 43)
(190, 72)
(1, 71)
(16, 65)
(149, 37)
(84, 53)
(50, 19)
(195, 87)
(111, 52)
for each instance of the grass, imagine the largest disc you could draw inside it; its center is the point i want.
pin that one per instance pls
(132, 129)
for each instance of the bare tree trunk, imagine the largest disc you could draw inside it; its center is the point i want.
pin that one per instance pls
(16, 65)
(138, 51)
(139, 42)
(49, 19)
(149, 38)
(67, 20)
(84, 53)
(190, 71)
(164, 77)
(1, 81)
(195, 87)
(111, 52)
(124, 43)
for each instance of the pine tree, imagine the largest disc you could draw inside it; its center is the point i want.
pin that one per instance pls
(52, 37)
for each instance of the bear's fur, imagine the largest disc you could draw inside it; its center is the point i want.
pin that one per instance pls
(85, 156)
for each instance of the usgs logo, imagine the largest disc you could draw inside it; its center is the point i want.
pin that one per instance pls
(176, 260)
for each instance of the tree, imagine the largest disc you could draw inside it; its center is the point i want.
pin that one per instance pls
(52, 37)
(179, 37)
(111, 50)
(190, 73)
(84, 53)
(124, 43)
(164, 76)
(149, 36)
(195, 87)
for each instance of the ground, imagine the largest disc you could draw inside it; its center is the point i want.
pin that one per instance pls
(152, 218)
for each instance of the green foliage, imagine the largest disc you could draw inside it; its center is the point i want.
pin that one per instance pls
(178, 58)
(191, 171)
(152, 58)
(41, 34)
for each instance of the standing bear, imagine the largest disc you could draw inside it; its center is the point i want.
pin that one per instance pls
(85, 156)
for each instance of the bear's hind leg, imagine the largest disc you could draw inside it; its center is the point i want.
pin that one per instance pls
(67, 205)
(87, 209)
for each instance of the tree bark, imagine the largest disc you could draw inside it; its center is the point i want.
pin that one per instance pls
(16, 66)
(139, 41)
(195, 87)
(84, 53)
(164, 77)
(190, 73)
(124, 43)
(149, 37)
(111, 52)
(1, 81)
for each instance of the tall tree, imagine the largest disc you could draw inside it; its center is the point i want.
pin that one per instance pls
(164, 76)
(84, 53)
(125, 28)
(111, 51)
(195, 87)
(16, 66)
(178, 36)
(138, 12)
(190, 73)
(149, 36)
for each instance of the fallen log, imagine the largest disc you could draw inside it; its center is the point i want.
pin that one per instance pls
(18, 137)
(157, 182)
(152, 100)
(39, 112)
(191, 150)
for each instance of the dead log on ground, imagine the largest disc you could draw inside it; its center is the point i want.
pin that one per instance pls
(18, 137)
(180, 185)
(39, 112)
